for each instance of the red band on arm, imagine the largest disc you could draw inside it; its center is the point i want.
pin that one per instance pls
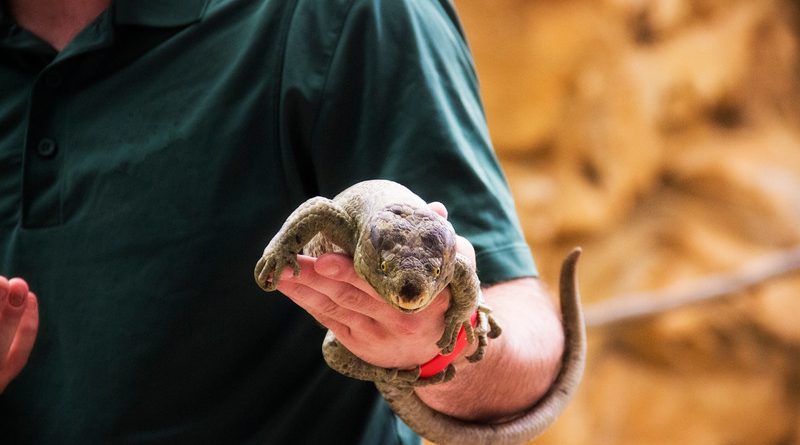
(440, 362)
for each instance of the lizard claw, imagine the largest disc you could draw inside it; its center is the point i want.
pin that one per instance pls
(443, 376)
(271, 264)
(481, 333)
(487, 328)
(447, 342)
(487, 322)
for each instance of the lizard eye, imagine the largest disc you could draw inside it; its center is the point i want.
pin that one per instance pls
(436, 271)
(384, 266)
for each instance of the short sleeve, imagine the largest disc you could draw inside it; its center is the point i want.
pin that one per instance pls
(398, 99)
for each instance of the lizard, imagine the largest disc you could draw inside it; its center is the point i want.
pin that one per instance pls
(407, 253)
(403, 249)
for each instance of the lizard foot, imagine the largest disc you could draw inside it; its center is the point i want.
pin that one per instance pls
(443, 376)
(397, 377)
(411, 379)
(448, 340)
(269, 267)
(494, 329)
(482, 333)
(487, 328)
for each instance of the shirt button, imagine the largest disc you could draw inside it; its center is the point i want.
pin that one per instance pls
(52, 80)
(46, 148)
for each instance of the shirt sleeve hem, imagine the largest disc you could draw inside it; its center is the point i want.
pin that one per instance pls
(505, 263)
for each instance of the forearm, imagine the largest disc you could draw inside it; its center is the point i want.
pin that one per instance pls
(519, 366)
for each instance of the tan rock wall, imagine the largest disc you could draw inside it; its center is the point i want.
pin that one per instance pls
(663, 137)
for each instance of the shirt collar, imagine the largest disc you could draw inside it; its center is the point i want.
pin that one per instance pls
(158, 13)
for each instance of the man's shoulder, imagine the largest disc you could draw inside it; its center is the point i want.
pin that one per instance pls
(376, 10)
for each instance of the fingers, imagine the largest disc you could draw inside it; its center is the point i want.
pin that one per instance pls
(19, 323)
(465, 248)
(328, 300)
(439, 208)
(340, 268)
(383, 316)
(331, 315)
(13, 296)
(22, 345)
(330, 290)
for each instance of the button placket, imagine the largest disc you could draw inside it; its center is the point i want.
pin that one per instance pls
(42, 197)
(47, 140)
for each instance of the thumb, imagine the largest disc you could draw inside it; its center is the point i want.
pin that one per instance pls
(439, 208)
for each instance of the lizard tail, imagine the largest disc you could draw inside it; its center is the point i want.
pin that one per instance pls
(443, 429)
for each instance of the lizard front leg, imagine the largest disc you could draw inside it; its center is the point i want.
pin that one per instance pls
(465, 295)
(317, 215)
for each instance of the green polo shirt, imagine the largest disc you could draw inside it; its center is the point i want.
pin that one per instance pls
(143, 169)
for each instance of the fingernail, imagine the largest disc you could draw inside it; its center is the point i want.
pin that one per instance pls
(328, 269)
(15, 299)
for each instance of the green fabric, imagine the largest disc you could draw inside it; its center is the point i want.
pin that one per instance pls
(143, 169)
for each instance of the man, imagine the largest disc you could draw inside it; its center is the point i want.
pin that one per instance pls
(150, 149)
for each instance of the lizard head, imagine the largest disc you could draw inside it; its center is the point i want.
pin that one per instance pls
(407, 254)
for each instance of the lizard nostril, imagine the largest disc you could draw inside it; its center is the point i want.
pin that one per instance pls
(409, 291)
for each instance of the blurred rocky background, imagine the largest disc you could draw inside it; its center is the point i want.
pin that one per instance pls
(663, 137)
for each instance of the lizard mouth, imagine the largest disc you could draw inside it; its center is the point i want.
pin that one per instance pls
(409, 306)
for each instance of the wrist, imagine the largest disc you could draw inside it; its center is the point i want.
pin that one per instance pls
(518, 367)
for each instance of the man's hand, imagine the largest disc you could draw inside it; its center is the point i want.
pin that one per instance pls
(329, 289)
(19, 322)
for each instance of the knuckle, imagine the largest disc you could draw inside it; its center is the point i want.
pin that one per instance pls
(343, 332)
(322, 319)
(328, 308)
(350, 299)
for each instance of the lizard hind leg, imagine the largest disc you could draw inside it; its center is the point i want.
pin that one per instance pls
(340, 359)
(443, 376)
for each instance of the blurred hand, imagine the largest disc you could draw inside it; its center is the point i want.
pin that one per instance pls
(19, 323)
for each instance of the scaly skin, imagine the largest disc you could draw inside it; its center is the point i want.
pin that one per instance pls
(401, 248)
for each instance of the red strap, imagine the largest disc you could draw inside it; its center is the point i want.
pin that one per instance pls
(440, 362)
